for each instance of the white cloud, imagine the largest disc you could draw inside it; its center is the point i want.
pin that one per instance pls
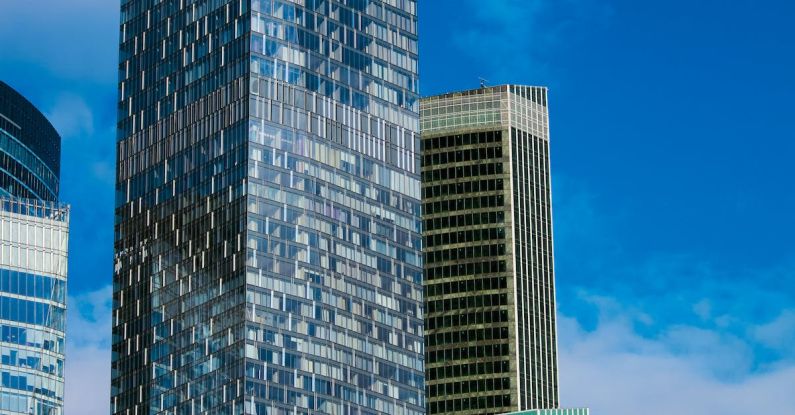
(703, 309)
(670, 333)
(778, 334)
(88, 353)
(71, 117)
(617, 371)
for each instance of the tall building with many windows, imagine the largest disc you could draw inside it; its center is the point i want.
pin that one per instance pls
(490, 290)
(267, 230)
(34, 229)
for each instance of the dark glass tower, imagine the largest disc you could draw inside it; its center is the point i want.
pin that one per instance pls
(30, 149)
(267, 209)
(34, 229)
(490, 290)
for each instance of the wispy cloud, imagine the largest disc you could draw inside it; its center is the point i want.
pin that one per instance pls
(616, 370)
(88, 352)
(510, 38)
(71, 116)
(731, 324)
(62, 55)
(779, 334)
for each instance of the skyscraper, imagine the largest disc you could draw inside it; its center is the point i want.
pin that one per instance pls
(30, 150)
(34, 229)
(267, 209)
(490, 290)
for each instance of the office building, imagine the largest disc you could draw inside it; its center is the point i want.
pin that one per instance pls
(487, 241)
(267, 235)
(30, 150)
(34, 229)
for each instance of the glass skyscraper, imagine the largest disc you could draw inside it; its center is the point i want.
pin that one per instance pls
(267, 231)
(30, 150)
(490, 340)
(34, 230)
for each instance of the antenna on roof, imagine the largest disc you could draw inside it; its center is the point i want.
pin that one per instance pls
(483, 82)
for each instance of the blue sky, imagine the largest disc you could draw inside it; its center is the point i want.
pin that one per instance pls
(672, 137)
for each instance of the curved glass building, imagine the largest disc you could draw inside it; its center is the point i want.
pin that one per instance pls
(267, 234)
(30, 149)
(34, 230)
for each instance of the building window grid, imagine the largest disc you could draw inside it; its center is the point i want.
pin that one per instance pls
(33, 307)
(146, 153)
(373, 150)
(535, 164)
(435, 401)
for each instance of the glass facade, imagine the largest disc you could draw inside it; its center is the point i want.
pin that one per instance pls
(487, 244)
(33, 257)
(34, 230)
(268, 201)
(30, 149)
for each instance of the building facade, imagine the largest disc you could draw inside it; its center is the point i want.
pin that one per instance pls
(267, 233)
(34, 229)
(490, 340)
(30, 149)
